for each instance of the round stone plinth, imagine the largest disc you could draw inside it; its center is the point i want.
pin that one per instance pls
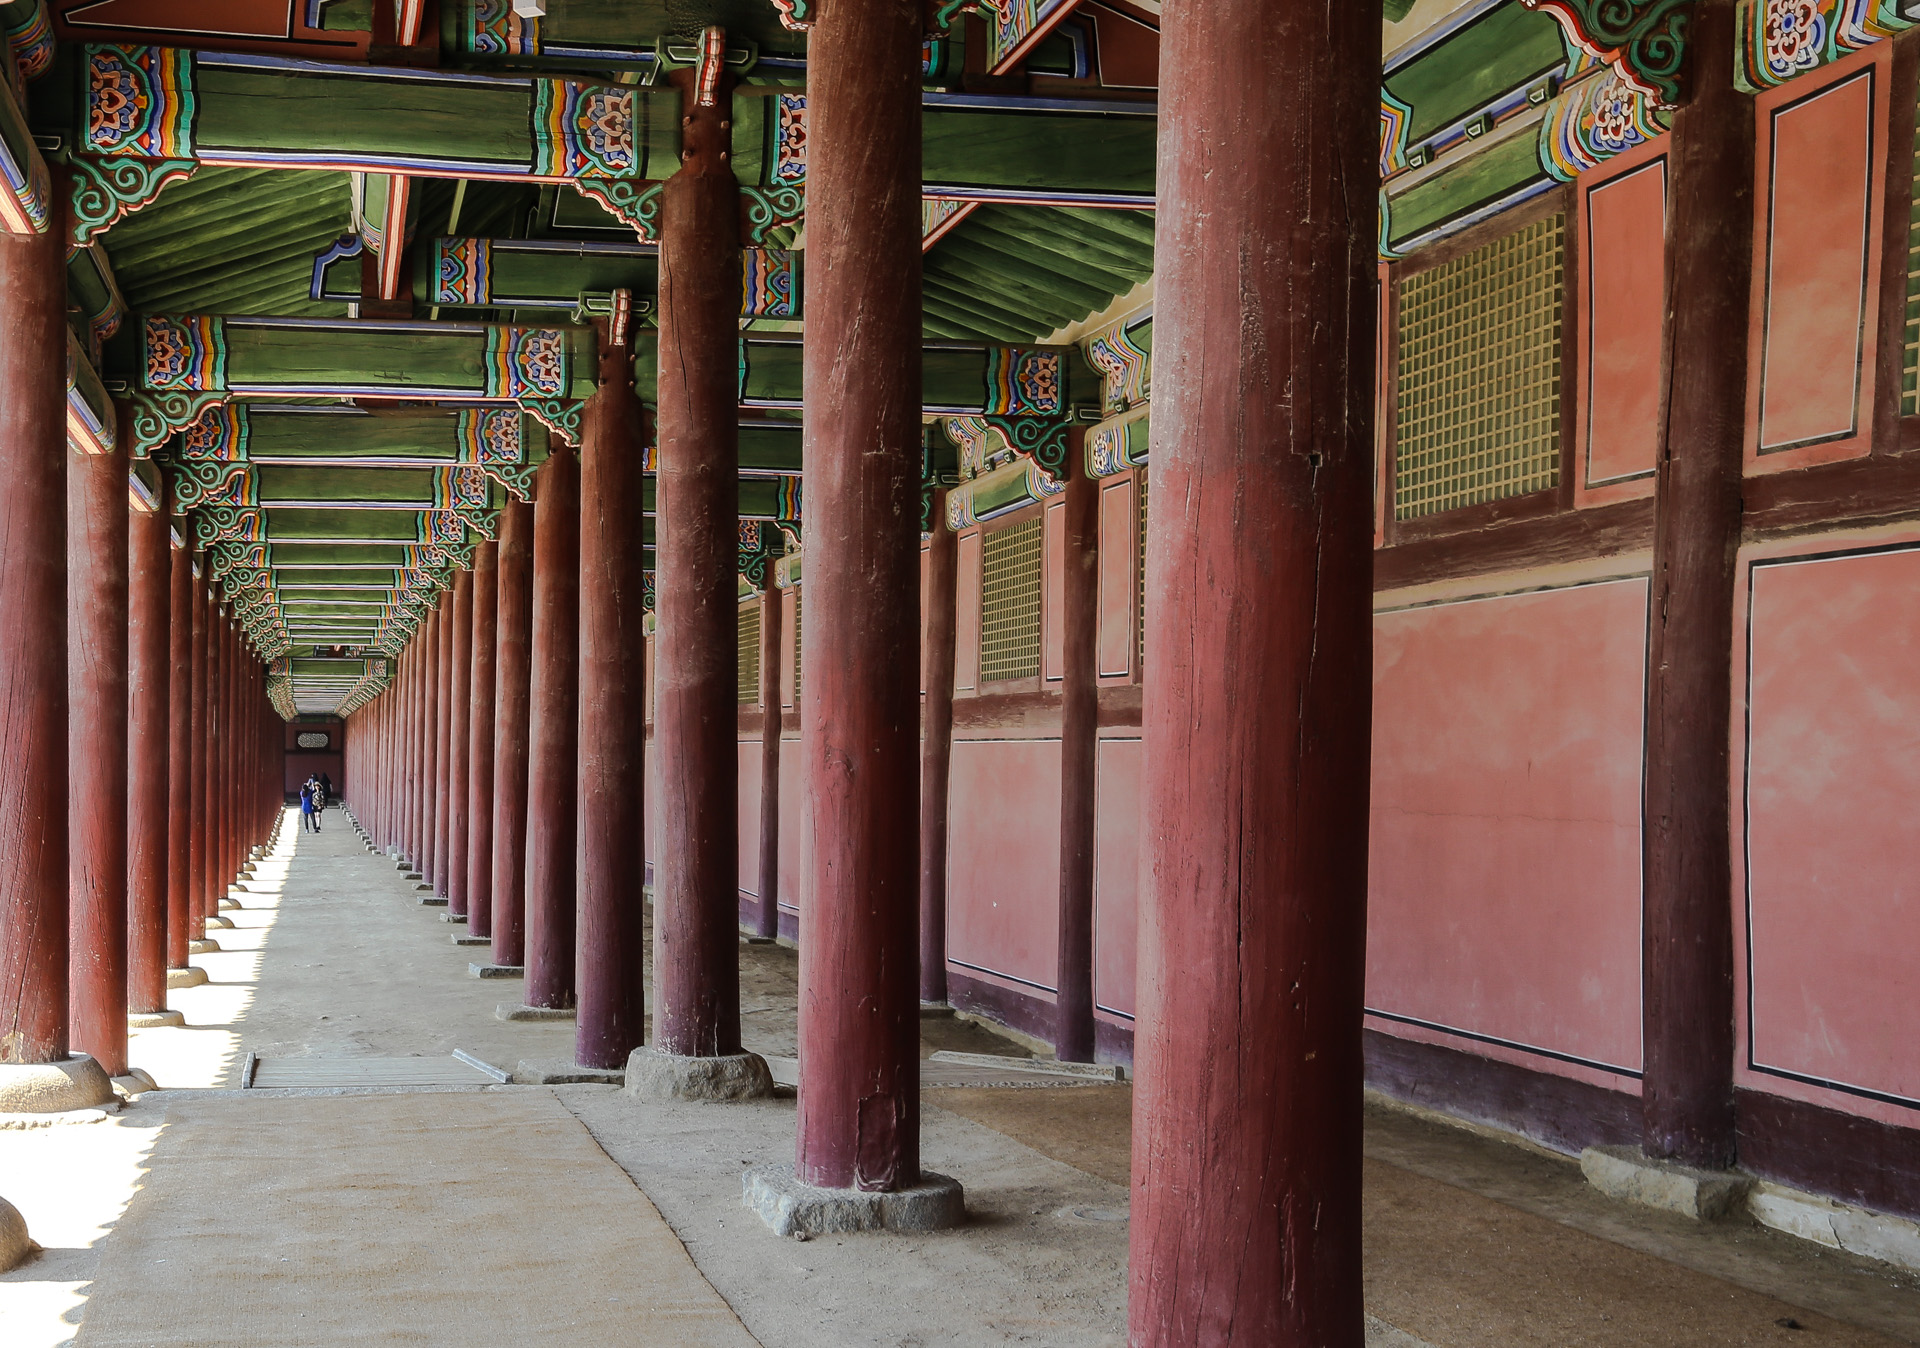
(202, 947)
(189, 977)
(153, 1020)
(137, 1081)
(653, 1075)
(222, 922)
(226, 904)
(15, 1246)
(54, 1087)
(792, 1208)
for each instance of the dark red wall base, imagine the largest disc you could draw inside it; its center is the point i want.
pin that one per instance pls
(1029, 1015)
(1855, 1160)
(750, 917)
(1113, 1043)
(1565, 1115)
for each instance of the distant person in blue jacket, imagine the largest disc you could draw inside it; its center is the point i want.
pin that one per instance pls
(310, 805)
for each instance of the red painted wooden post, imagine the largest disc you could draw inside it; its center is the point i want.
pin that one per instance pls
(1079, 742)
(1247, 1117)
(553, 732)
(197, 905)
(936, 751)
(460, 693)
(1687, 968)
(611, 763)
(149, 698)
(696, 588)
(512, 672)
(859, 1108)
(480, 711)
(179, 747)
(429, 745)
(767, 920)
(442, 736)
(96, 508)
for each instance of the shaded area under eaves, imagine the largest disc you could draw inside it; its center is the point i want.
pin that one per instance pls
(1017, 273)
(232, 241)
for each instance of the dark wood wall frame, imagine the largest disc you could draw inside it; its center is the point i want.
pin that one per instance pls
(1487, 514)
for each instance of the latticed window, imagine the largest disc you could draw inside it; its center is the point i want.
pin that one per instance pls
(1140, 610)
(1479, 374)
(798, 603)
(747, 633)
(1010, 602)
(1910, 358)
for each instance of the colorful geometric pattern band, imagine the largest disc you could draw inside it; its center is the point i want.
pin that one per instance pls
(769, 281)
(1784, 38)
(1022, 381)
(790, 139)
(526, 362)
(140, 101)
(186, 354)
(463, 271)
(220, 434)
(491, 28)
(582, 131)
(490, 435)
(1590, 122)
(1125, 367)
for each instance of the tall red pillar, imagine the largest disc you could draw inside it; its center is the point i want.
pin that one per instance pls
(1079, 743)
(513, 660)
(459, 691)
(611, 756)
(767, 920)
(149, 775)
(486, 585)
(1687, 931)
(936, 750)
(859, 1108)
(1247, 1118)
(696, 868)
(197, 795)
(442, 706)
(97, 754)
(179, 749)
(552, 742)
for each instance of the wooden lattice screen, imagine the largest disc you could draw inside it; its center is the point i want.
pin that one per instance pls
(1010, 602)
(1479, 374)
(747, 639)
(797, 604)
(1910, 357)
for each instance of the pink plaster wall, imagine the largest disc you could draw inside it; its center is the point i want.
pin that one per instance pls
(749, 815)
(1832, 847)
(1817, 201)
(966, 616)
(1116, 873)
(1504, 897)
(793, 839)
(1003, 858)
(1621, 229)
(1053, 592)
(1119, 546)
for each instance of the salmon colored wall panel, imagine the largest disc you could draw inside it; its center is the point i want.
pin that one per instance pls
(1053, 593)
(966, 636)
(1504, 898)
(1116, 873)
(749, 814)
(926, 608)
(794, 845)
(1833, 823)
(788, 599)
(1003, 859)
(650, 825)
(1818, 219)
(1622, 239)
(1119, 522)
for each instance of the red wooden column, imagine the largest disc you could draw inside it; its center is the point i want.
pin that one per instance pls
(33, 649)
(479, 861)
(936, 750)
(228, 742)
(553, 733)
(767, 920)
(149, 661)
(695, 711)
(1079, 742)
(412, 745)
(97, 754)
(179, 750)
(513, 655)
(459, 692)
(442, 737)
(1687, 965)
(1246, 1138)
(612, 747)
(428, 763)
(859, 1112)
(197, 905)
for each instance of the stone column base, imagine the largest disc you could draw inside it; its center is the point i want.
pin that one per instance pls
(227, 904)
(189, 977)
(54, 1087)
(792, 1208)
(461, 918)
(153, 1020)
(509, 1011)
(653, 1075)
(495, 970)
(221, 922)
(461, 938)
(1625, 1173)
(137, 1081)
(15, 1245)
(207, 946)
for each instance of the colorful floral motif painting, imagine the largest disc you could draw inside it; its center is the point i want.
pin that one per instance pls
(769, 279)
(491, 28)
(526, 362)
(462, 271)
(1022, 381)
(186, 354)
(490, 435)
(790, 139)
(582, 131)
(1785, 38)
(140, 101)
